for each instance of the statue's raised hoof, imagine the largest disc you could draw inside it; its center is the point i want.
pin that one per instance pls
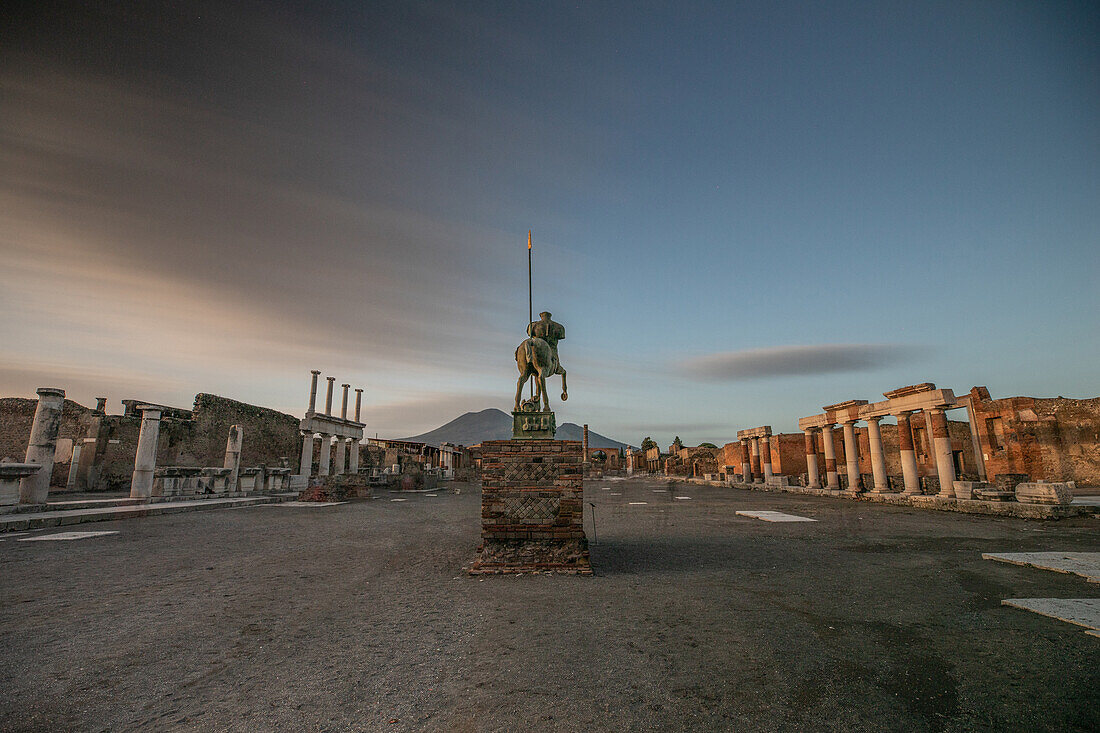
(564, 396)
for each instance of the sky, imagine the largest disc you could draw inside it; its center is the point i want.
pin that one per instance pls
(741, 212)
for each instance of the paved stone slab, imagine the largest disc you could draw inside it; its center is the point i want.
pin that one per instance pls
(1085, 564)
(68, 536)
(769, 516)
(638, 503)
(398, 499)
(309, 503)
(682, 498)
(1081, 611)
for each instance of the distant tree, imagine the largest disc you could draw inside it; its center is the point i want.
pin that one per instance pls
(677, 443)
(648, 443)
(707, 445)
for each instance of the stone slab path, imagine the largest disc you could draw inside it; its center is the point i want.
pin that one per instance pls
(1081, 611)
(40, 520)
(61, 536)
(769, 516)
(1085, 564)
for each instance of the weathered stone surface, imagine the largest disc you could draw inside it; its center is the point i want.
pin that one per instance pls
(534, 425)
(965, 489)
(1053, 493)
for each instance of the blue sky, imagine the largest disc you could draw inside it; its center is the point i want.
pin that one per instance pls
(741, 211)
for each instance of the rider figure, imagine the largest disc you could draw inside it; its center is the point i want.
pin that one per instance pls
(549, 331)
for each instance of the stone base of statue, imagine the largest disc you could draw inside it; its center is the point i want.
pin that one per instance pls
(532, 508)
(533, 425)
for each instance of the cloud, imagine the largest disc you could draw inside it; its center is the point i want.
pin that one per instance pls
(796, 361)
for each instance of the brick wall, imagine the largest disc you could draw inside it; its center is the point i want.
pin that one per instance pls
(532, 507)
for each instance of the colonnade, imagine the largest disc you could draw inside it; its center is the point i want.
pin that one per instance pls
(847, 415)
(344, 433)
(756, 454)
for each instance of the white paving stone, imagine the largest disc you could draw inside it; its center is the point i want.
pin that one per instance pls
(1085, 564)
(638, 503)
(769, 516)
(682, 498)
(398, 499)
(433, 495)
(69, 536)
(1081, 611)
(615, 493)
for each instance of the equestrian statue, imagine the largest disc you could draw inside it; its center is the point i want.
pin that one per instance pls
(538, 357)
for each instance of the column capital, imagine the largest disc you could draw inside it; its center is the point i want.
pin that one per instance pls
(876, 419)
(314, 371)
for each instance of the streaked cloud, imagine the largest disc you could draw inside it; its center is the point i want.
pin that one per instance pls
(796, 361)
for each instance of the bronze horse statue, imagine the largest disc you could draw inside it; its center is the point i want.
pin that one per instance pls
(535, 358)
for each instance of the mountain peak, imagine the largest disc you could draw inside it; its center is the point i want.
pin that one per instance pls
(495, 424)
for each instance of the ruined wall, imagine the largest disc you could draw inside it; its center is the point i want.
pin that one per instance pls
(1049, 439)
(16, 416)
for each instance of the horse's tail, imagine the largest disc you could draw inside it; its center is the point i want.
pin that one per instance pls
(528, 355)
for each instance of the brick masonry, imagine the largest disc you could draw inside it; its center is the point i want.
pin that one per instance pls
(532, 508)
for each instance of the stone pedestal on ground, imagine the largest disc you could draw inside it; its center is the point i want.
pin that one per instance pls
(532, 508)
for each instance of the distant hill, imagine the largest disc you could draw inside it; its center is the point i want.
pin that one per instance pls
(494, 424)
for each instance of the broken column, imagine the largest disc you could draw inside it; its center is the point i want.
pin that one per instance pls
(313, 390)
(233, 457)
(908, 457)
(831, 477)
(42, 445)
(811, 460)
(145, 461)
(945, 465)
(74, 467)
(878, 456)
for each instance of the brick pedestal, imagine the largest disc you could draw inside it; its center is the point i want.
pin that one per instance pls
(532, 508)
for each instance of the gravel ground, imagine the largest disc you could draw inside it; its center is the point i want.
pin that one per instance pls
(358, 617)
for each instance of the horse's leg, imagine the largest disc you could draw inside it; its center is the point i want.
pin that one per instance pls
(519, 388)
(542, 391)
(564, 386)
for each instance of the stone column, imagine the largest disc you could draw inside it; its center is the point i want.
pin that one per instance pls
(313, 390)
(74, 467)
(766, 457)
(757, 476)
(353, 456)
(358, 403)
(585, 437)
(326, 455)
(42, 445)
(975, 439)
(746, 462)
(344, 404)
(878, 457)
(100, 404)
(851, 455)
(341, 455)
(811, 460)
(831, 478)
(328, 397)
(145, 460)
(233, 457)
(945, 466)
(908, 456)
(305, 468)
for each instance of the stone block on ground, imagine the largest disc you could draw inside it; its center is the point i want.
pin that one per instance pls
(336, 488)
(1044, 493)
(965, 489)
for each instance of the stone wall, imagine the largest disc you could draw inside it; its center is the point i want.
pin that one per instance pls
(1049, 439)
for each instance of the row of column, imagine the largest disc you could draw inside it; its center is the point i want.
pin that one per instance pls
(756, 459)
(347, 455)
(145, 459)
(945, 466)
(328, 397)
